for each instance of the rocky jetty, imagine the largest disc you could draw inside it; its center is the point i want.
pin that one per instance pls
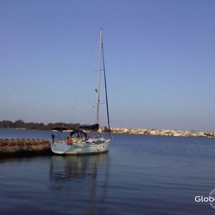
(24, 146)
(161, 132)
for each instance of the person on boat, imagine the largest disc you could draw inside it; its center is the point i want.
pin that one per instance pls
(69, 141)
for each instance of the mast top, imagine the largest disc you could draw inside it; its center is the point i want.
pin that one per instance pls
(101, 32)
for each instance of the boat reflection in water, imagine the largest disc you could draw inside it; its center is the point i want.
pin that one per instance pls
(82, 180)
(66, 168)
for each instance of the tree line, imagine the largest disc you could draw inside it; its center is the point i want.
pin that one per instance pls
(20, 124)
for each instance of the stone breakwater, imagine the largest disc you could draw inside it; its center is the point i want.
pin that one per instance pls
(24, 146)
(162, 132)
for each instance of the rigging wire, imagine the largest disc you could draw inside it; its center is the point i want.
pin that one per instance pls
(84, 80)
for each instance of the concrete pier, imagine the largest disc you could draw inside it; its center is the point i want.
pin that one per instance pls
(24, 146)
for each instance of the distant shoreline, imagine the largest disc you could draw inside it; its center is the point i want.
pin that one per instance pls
(161, 132)
(21, 125)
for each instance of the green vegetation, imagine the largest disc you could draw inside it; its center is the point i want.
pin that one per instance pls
(20, 124)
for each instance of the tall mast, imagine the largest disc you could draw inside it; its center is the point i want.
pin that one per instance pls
(99, 76)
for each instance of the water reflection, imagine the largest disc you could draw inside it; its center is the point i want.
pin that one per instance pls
(72, 172)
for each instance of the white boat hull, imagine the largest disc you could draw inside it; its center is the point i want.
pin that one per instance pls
(93, 147)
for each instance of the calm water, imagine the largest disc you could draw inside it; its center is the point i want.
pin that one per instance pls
(139, 175)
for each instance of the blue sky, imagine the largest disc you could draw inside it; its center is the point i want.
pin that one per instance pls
(160, 61)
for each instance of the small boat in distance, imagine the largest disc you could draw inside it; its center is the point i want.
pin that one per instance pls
(76, 141)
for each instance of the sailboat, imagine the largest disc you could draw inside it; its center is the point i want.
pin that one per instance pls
(72, 141)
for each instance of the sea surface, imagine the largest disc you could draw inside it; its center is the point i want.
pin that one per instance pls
(139, 175)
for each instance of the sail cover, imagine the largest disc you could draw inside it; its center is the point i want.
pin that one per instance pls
(94, 127)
